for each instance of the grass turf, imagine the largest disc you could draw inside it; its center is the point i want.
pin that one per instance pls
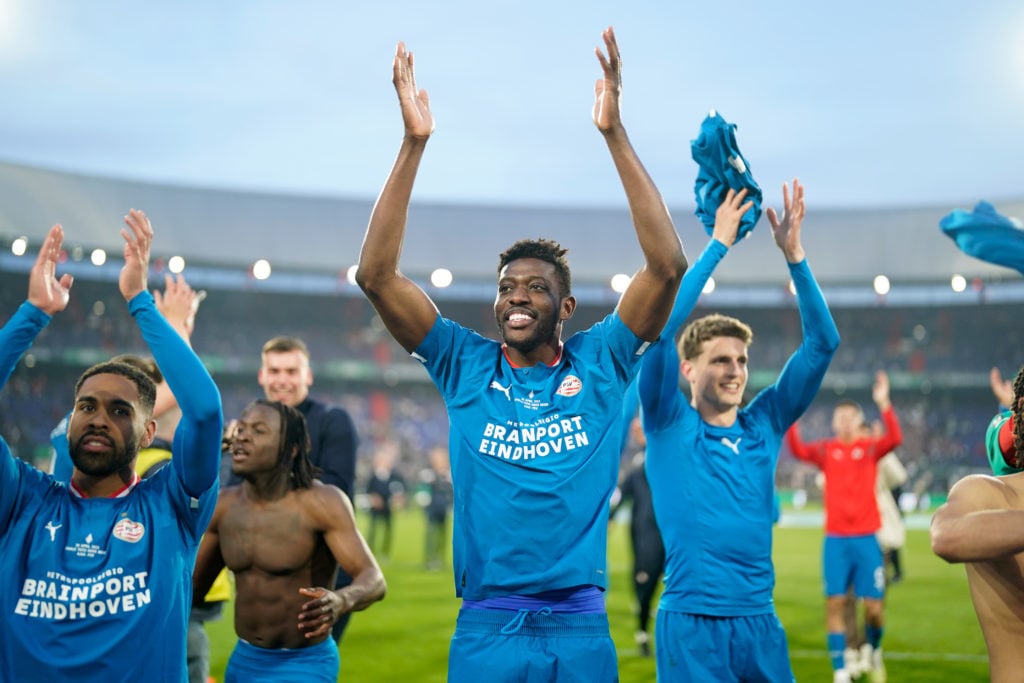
(931, 632)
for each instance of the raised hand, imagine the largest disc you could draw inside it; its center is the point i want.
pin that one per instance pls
(728, 216)
(419, 122)
(786, 229)
(45, 291)
(1002, 389)
(880, 390)
(179, 303)
(137, 238)
(608, 90)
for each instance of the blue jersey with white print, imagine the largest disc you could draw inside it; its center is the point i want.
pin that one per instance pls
(535, 455)
(713, 486)
(99, 589)
(96, 588)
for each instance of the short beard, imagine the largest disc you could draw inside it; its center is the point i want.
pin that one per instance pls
(545, 332)
(105, 465)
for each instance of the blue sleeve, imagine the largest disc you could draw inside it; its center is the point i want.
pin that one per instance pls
(800, 379)
(692, 285)
(659, 371)
(630, 404)
(196, 450)
(63, 468)
(16, 336)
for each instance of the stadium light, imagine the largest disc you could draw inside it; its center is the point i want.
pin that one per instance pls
(98, 257)
(709, 286)
(619, 282)
(882, 285)
(19, 246)
(958, 283)
(261, 269)
(441, 277)
(176, 264)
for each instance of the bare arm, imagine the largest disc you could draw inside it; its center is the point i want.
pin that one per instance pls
(1002, 389)
(880, 391)
(209, 561)
(646, 304)
(334, 511)
(981, 520)
(179, 303)
(406, 309)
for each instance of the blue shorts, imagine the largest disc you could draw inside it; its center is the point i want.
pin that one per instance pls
(314, 664)
(854, 561)
(503, 646)
(706, 649)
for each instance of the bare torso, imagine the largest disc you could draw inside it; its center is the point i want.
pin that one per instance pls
(274, 548)
(997, 591)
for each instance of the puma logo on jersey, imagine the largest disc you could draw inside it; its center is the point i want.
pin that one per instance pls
(53, 530)
(734, 446)
(505, 390)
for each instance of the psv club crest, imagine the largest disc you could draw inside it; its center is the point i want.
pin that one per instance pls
(129, 531)
(570, 386)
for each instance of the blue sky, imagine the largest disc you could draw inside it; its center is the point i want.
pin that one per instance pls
(870, 104)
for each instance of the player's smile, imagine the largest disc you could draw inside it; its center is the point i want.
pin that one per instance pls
(518, 319)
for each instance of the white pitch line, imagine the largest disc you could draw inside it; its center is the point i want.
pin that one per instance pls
(902, 656)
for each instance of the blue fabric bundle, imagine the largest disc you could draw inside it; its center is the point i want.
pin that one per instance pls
(986, 234)
(721, 167)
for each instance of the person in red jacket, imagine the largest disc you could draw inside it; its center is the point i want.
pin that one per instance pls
(852, 555)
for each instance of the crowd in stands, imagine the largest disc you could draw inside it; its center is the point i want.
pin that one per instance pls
(937, 358)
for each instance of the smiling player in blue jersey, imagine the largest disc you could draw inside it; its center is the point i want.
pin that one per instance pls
(98, 572)
(535, 423)
(711, 466)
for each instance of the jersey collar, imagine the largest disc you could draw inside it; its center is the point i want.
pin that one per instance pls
(120, 493)
(553, 363)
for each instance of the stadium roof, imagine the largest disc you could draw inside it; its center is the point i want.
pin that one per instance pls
(324, 234)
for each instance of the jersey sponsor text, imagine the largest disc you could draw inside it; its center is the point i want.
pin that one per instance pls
(61, 598)
(525, 442)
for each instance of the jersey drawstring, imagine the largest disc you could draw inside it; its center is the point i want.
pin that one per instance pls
(519, 619)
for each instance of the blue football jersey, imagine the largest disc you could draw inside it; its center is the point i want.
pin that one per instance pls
(535, 455)
(713, 486)
(99, 589)
(96, 588)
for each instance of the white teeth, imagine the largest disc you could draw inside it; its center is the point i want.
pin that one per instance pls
(518, 316)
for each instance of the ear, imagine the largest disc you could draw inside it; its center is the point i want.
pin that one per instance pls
(261, 376)
(309, 377)
(568, 307)
(686, 367)
(148, 434)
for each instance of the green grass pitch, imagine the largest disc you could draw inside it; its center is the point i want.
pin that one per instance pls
(931, 632)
